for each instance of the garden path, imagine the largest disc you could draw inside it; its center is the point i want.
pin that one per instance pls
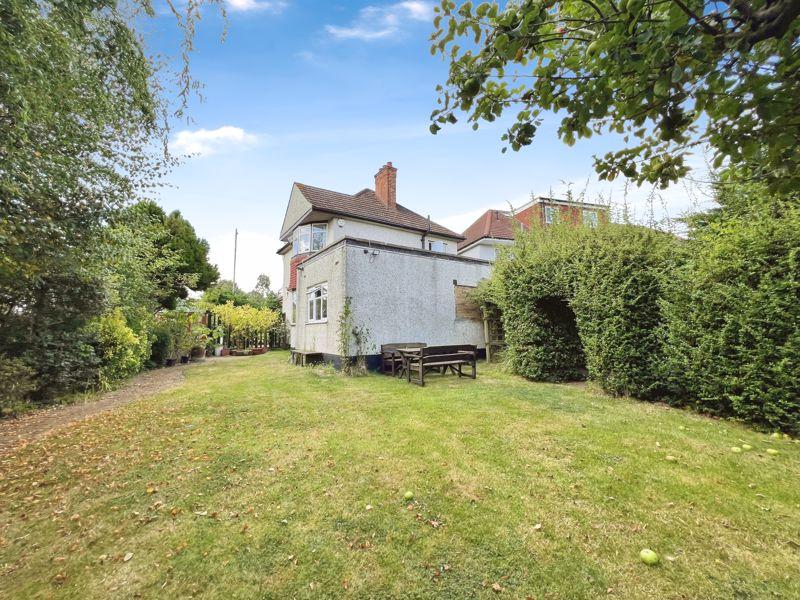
(39, 423)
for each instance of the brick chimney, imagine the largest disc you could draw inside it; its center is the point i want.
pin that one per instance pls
(386, 185)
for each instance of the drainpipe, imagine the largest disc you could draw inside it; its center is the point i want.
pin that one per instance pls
(424, 235)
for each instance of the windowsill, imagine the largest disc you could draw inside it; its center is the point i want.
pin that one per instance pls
(316, 322)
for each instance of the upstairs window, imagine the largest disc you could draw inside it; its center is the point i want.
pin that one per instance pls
(319, 236)
(309, 238)
(318, 303)
(437, 246)
(549, 214)
(590, 218)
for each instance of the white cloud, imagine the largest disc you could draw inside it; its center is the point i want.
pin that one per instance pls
(252, 5)
(377, 22)
(205, 142)
(255, 255)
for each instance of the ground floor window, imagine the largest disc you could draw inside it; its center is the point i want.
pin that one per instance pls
(294, 307)
(318, 303)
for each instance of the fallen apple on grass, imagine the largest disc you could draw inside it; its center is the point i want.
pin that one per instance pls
(649, 557)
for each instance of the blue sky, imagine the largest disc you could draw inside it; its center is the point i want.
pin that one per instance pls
(324, 93)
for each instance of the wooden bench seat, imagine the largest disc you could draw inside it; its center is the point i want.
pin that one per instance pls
(452, 358)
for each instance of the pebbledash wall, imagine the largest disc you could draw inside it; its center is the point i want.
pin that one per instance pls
(397, 294)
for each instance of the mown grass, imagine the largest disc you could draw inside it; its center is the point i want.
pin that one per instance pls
(258, 479)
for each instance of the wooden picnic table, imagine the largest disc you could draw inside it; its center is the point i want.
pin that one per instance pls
(439, 358)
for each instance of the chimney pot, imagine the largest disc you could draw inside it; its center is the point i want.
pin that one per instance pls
(386, 185)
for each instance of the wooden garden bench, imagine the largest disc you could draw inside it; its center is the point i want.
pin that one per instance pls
(439, 358)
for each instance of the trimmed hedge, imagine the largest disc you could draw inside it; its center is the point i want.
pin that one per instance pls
(578, 301)
(712, 322)
(733, 311)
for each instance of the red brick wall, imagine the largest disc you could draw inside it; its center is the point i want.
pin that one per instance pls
(569, 214)
(296, 260)
(386, 185)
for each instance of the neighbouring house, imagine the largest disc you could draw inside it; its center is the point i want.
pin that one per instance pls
(496, 228)
(402, 272)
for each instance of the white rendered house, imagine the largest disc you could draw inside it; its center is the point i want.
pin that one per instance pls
(402, 273)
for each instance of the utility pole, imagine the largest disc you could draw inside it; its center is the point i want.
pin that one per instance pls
(235, 247)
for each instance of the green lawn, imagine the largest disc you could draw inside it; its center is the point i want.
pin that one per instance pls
(258, 479)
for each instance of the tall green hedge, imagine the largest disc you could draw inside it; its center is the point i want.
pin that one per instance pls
(622, 270)
(733, 311)
(711, 322)
(578, 301)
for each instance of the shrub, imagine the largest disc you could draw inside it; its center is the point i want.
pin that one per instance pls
(579, 301)
(17, 381)
(163, 345)
(733, 345)
(121, 352)
(621, 274)
(533, 284)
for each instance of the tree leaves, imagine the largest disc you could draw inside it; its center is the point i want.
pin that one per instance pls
(691, 72)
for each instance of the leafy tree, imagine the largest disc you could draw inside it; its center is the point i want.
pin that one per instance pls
(223, 292)
(82, 116)
(192, 250)
(262, 294)
(260, 297)
(191, 268)
(263, 284)
(668, 75)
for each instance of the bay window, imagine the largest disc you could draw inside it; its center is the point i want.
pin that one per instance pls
(317, 303)
(309, 238)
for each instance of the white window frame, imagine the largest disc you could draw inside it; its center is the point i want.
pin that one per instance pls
(294, 307)
(549, 214)
(437, 246)
(317, 304)
(315, 229)
(306, 233)
(593, 219)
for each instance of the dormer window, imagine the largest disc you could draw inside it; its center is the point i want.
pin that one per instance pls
(437, 246)
(309, 238)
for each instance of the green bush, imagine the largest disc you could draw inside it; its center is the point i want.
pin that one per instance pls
(17, 381)
(163, 345)
(579, 301)
(621, 274)
(733, 309)
(122, 353)
(533, 285)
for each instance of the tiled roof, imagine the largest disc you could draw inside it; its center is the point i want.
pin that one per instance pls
(365, 205)
(496, 224)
